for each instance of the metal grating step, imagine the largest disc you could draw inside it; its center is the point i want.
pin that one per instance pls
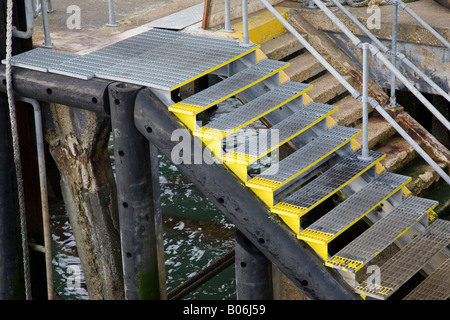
(408, 261)
(378, 237)
(342, 217)
(252, 111)
(227, 88)
(268, 140)
(300, 162)
(40, 59)
(309, 196)
(435, 287)
(156, 58)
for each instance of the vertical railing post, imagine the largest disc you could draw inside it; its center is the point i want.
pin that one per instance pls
(227, 27)
(245, 36)
(47, 40)
(365, 99)
(112, 19)
(394, 53)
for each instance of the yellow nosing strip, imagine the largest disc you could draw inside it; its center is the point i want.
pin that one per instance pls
(216, 67)
(264, 184)
(285, 209)
(345, 264)
(187, 112)
(377, 289)
(211, 133)
(269, 185)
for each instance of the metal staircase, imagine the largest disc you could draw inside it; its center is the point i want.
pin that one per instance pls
(324, 158)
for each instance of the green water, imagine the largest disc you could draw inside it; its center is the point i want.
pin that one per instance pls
(195, 235)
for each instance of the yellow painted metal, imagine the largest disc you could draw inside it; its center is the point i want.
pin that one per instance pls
(261, 26)
(211, 133)
(240, 161)
(271, 186)
(187, 113)
(216, 67)
(284, 209)
(375, 289)
(345, 264)
(323, 239)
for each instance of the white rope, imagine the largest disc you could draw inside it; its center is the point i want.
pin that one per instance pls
(15, 138)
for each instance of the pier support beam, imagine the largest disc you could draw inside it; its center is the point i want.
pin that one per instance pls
(253, 271)
(135, 197)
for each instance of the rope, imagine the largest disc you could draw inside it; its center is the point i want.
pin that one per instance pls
(15, 138)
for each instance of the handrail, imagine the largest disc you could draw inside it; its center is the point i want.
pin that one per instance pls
(374, 103)
(386, 50)
(421, 21)
(378, 54)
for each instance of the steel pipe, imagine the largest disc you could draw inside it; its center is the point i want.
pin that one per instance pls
(313, 51)
(245, 36)
(384, 49)
(112, 18)
(227, 27)
(422, 22)
(44, 194)
(394, 53)
(356, 94)
(47, 40)
(90, 95)
(29, 18)
(365, 96)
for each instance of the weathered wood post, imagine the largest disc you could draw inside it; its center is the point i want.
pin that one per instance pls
(135, 197)
(78, 142)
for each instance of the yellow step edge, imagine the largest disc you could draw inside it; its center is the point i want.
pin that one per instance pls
(216, 67)
(376, 289)
(206, 133)
(262, 184)
(322, 239)
(270, 185)
(285, 210)
(187, 113)
(345, 264)
(261, 26)
(240, 161)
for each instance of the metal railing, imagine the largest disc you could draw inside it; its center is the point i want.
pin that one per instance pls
(364, 98)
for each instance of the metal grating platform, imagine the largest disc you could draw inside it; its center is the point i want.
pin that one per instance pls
(327, 184)
(255, 109)
(378, 237)
(40, 59)
(156, 58)
(304, 158)
(408, 261)
(435, 287)
(228, 87)
(258, 146)
(354, 208)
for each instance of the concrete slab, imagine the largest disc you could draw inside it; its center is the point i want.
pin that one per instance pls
(180, 19)
(93, 15)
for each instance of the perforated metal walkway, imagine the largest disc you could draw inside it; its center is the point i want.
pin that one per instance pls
(156, 58)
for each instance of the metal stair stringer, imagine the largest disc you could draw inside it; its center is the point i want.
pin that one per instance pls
(240, 205)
